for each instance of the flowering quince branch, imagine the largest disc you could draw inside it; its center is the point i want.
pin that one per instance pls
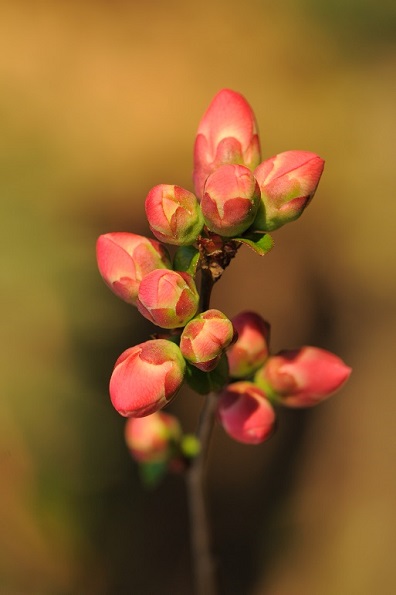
(238, 199)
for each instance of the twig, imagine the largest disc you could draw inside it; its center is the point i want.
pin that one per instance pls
(200, 533)
(203, 565)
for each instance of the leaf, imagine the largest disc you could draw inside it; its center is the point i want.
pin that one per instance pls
(207, 382)
(186, 260)
(151, 474)
(261, 243)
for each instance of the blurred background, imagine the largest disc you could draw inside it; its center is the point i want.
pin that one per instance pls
(100, 100)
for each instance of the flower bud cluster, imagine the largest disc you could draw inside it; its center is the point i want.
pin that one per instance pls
(237, 199)
(236, 189)
(297, 378)
(147, 376)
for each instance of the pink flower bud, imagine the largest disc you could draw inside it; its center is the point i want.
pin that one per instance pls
(174, 214)
(150, 438)
(205, 338)
(167, 298)
(125, 258)
(227, 133)
(230, 201)
(287, 182)
(146, 377)
(303, 377)
(245, 413)
(250, 350)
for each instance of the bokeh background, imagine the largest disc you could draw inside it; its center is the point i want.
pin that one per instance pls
(100, 101)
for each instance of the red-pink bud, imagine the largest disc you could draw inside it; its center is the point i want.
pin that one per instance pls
(303, 377)
(125, 258)
(150, 438)
(167, 298)
(227, 133)
(245, 413)
(230, 201)
(287, 182)
(174, 214)
(146, 377)
(250, 350)
(205, 338)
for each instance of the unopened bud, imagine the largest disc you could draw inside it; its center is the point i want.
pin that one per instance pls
(250, 350)
(174, 214)
(302, 377)
(150, 439)
(124, 259)
(227, 133)
(287, 182)
(146, 377)
(167, 298)
(230, 201)
(245, 413)
(205, 338)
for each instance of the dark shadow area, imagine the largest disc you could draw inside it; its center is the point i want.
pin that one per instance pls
(251, 528)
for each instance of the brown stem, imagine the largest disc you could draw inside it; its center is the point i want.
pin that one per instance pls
(200, 533)
(207, 283)
(204, 572)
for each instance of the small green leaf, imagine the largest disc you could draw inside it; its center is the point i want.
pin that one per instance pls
(151, 474)
(261, 243)
(207, 382)
(186, 260)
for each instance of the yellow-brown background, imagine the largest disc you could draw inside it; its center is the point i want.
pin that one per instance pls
(99, 101)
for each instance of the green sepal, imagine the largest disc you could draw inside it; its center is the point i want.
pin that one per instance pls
(152, 474)
(207, 382)
(186, 260)
(273, 397)
(190, 446)
(260, 242)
